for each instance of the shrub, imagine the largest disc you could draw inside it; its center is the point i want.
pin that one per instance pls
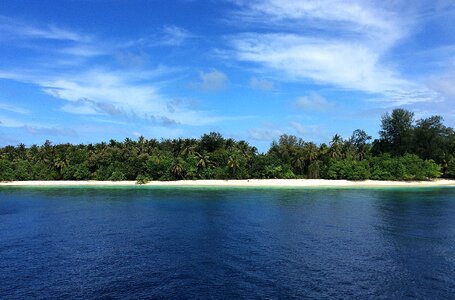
(451, 168)
(6, 171)
(314, 169)
(407, 167)
(142, 179)
(82, 172)
(348, 169)
(22, 170)
(117, 176)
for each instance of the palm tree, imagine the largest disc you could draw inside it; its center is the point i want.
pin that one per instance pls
(113, 143)
(188, 148)
(203, 160)
(177, 146)
(233, 164)
(299, 160)
(177, 168)
(60, 164)
(21, 149)
(246, 150)
(311, 151)
(230, 144)
(335, 146)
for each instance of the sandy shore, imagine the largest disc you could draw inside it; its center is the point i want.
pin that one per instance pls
(244, 183)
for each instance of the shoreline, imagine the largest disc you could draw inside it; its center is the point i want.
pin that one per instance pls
(256, 183)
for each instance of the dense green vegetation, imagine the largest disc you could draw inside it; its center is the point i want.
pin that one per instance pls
(405, 150)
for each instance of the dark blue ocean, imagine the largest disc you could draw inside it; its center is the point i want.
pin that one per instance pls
(182, 243)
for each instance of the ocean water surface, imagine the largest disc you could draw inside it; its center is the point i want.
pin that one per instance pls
(140, 242)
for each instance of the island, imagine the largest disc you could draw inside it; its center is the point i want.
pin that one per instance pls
(406, 150)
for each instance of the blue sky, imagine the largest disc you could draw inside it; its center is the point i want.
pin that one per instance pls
(88, 71)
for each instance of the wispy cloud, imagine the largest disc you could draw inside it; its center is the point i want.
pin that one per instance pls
(14, 108)
(94, 86)
(445, 84)
(314, 103)
(268, 131)
(265, 134)
(174, 36)
(36, 128)
(6, 121)
(132, 60)
(305, 130)
(336, 43)
(50, 131)
(167, 36)
(261, 84)
(212, 80)
(123, 95)
(12, 28)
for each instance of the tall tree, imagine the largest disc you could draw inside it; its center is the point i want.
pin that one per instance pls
(233, 164)
(431, 139)
(336, 144)
(359, 140)
(211, 142)
(396, 131)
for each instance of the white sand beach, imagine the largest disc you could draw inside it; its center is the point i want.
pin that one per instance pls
(296, 183)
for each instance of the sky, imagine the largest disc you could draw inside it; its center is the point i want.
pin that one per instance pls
(86, 71)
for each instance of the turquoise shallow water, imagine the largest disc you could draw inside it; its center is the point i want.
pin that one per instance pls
(136, 242)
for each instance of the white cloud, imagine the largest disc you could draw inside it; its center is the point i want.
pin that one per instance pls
(124, 95)
(36, 128)
(264, 134)
(299, 127)
(50, 131)
(174, 35)
(84, 51)
(11, 28)
(14, 109)
(445, 84)
(335, 43)
(169, 35)
(89, 87)
(309, 132)
(10, 122)
(212, 80)
(314, 103)
(132, 60)
(122, 89)
(356, 16)
(261, 84)
(269, 131)
(305, 129)
(127, 95)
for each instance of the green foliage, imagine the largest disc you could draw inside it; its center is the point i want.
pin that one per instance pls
(142, 179)
(212, 142)
(117, 176)
(81, 172)
(22, 170)
(314, 169)
(157, 167)
(348, 169)
(397, 131)
(6, 170)
(44, 171)
(407, 167)
(431, 139)
(405, 150)
(451, 168)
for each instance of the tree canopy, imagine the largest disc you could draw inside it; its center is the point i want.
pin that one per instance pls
(405, 150)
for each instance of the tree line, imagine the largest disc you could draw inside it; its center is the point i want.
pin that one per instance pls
(405, 150)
